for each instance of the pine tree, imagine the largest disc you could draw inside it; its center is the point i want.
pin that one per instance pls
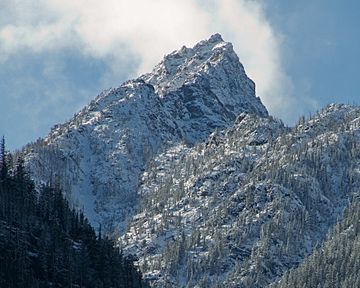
(3, 164)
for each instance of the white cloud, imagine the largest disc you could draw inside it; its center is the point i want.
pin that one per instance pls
(117, 29)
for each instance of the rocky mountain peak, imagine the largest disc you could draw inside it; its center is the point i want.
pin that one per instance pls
(189, 61)
(213, 65)
(205, 85)
(101, 153)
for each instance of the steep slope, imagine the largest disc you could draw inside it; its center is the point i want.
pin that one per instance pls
(247, 205)
(205, 86)
(336, 263)
(101, 152)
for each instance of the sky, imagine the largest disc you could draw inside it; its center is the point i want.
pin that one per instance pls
(57, 55)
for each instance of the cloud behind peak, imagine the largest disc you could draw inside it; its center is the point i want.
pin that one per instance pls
(121, 32)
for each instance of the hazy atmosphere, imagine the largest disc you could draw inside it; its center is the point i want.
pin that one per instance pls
(57, 55)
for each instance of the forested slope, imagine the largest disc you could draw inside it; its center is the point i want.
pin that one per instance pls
(336, 263)
(45, 243)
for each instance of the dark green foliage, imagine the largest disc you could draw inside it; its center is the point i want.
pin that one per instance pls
(45, 243)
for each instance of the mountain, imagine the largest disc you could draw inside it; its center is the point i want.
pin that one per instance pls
(186, 168)
(248, 204)
(101, 152)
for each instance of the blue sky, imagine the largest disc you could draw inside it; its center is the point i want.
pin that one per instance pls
(55, 56)
(321, 47)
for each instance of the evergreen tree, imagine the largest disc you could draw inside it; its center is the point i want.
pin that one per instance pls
(3, 164)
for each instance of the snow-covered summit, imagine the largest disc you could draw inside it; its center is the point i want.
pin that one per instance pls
(100, 154)
(185, 62)
(213, 64)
